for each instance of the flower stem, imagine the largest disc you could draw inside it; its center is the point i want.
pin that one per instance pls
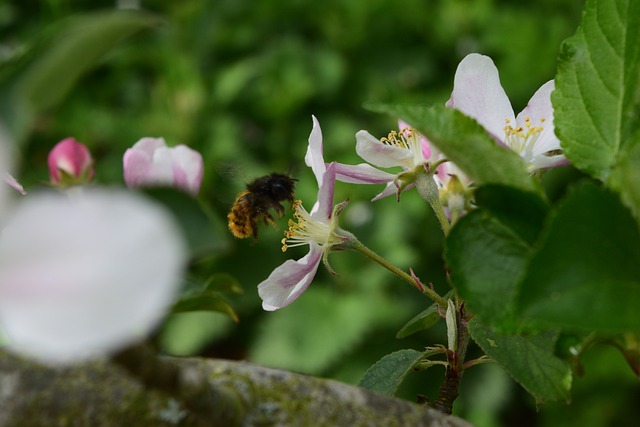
(358, 246)
(428, 190)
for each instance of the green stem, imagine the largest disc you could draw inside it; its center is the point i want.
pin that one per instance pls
(428, 190)
(358, 246)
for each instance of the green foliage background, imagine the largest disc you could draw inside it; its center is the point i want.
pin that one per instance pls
(239, 80)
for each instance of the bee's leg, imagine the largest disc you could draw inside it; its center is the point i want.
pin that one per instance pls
(279, 210)
(268, 219)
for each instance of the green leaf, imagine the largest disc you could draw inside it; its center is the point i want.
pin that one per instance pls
(466, 143)
(586, 273)
(85, 39)
(487, 261)
(423, 320)
(529, 359)
(224, 282)
(386, 375)
(522, 212)
(205, 301)
(204, 233)
(596, 101)
(626, 175)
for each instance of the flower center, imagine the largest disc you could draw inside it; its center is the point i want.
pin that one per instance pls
(407, 139)
(303, 229)
(522, 139)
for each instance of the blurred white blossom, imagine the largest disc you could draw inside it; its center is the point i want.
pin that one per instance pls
(86, 275)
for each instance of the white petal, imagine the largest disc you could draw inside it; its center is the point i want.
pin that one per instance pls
(540, 106)
(149, 145)
(477, 92)
(314, 157)
(390, 189)
(323, 208)
(85, 276)
(362, 173)
(187, 167)
(543, 162)
(374, 151)
(287, 282)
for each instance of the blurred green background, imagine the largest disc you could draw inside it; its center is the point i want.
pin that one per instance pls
(238, 80)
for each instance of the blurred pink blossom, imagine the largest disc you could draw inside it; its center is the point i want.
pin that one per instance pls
(70, 163)
(151, 163)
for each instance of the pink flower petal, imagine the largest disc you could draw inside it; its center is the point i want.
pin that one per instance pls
(287, 282)
(362, 173)
(151, 163)
(374, 151)
(71, 157)
(477, 92)
(14, 184)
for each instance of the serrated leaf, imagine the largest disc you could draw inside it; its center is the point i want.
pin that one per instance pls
(487, 261)
(423, 320)
(465, 143)
(386, 375)
(528, 359)
(205, 301)
(596, 100)
(586, 273)
(625, 177)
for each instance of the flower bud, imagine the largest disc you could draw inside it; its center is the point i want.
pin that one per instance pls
(151, 163)
(70, 163)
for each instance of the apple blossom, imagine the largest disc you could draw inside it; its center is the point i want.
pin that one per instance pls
(318, 229)
(70, 163)
(477, 92)
(151, 163)
(84, 276)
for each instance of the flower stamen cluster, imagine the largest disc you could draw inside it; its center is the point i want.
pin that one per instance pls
(408, 139)
(522, 138)
(303, 229)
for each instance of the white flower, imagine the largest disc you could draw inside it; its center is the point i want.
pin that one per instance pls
(85, 276)
(318, 229)
(477, 92)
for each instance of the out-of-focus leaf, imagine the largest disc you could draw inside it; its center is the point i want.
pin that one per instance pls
(529, 359)
(205, 234)
(206, 301)
(85, 39)
(386, 375)
(223, 282)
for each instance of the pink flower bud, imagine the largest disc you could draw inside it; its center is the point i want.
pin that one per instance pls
(151, 163)
(70, 163)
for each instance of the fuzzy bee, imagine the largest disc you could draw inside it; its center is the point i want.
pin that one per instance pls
(254, 203)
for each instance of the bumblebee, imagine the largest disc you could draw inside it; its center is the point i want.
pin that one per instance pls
(254, 203)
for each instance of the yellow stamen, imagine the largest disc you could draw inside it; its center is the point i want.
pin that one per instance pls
(303, 229)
